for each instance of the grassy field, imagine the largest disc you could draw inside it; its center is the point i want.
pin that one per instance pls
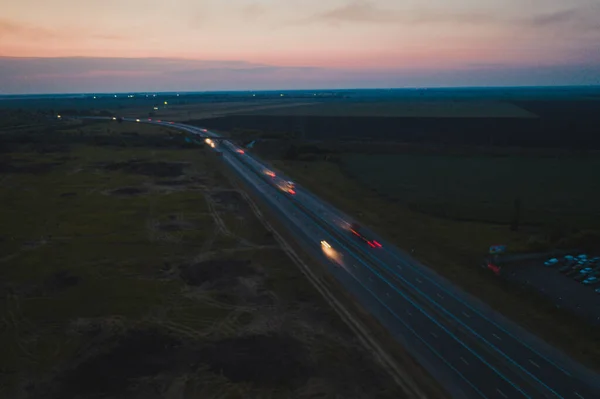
(561, 189)
(133, 268)
(213, 110)
(453, 248)
(402, 108)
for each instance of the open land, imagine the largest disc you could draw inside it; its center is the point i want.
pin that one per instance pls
(439, 181)
(130, 266)
(446, 188)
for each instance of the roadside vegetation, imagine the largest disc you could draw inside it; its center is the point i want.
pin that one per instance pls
(131, 267)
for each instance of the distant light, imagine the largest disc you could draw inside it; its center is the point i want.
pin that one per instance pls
(58, 116)
(254, 95)
(177, 95)
(155, 108)
(154, 95)
(165, 103)
(94, 96)
(281, 94)
(115, 95)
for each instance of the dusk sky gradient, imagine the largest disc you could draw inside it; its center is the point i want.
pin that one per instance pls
(187, 45)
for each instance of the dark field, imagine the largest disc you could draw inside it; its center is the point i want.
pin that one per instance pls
(130, 267)
(553, 190)
(437, 171)
(446, 187)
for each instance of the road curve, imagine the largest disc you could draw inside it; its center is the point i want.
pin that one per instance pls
(472, 350)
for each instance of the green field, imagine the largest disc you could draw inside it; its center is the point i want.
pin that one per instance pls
(132, 268)
(562, 189)
(402, 108)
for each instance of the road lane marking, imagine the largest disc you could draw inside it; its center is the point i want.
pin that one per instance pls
(419, 281)
(534, 363)
(578, 395)
(387, 294)
(440, 295)
(466, 314)
(501, 393)
(463, 359)
(399, 267)
(497, 337)
(408, 313)
(371, 279)
(430, 318)
(433, 335)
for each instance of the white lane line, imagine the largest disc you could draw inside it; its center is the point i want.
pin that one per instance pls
(387, 294)
(466, 314)
(497, 337)
(419, 281)
(578, 395)
(408, 313)
(399, 267)
(440, 295)
(534, 363)
(371, 279)
(433, 335)
(501, 393)
(464, 360)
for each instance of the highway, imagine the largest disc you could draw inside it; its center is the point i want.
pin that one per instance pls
(468, 347)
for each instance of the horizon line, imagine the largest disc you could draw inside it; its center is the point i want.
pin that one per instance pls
(588, 86)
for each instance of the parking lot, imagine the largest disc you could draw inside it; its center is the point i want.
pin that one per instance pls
(556, 279)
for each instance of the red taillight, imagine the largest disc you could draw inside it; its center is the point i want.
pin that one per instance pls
(149, 119)
(371, 244)
(158, 120)
(171, 123)
(292, 192)
(240, 151)
(354, 232)
(377, 244)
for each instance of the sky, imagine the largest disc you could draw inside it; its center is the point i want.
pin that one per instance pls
(67, 46)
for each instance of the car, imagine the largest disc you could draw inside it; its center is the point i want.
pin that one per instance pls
(288, 187)
(551, 262)
(356, 230)
(591, 280)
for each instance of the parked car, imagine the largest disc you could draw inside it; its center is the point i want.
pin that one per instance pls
(591, 280)
(551, 262)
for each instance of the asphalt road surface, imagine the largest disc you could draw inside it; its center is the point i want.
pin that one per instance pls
(468, 347)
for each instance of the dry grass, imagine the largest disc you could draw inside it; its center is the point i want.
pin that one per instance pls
(171, 286)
